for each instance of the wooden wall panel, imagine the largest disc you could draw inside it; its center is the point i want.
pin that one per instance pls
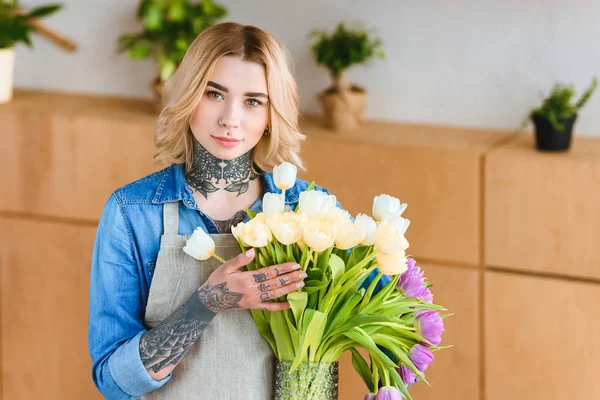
(436, 171)
(540, 338)
(67, 166)
(455, 373)
(44, 298)
(542, 209)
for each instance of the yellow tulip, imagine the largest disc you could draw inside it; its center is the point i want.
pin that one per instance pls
(388, 240)
(288, 227)
(392, 264)
(319, 233)
(254, 233)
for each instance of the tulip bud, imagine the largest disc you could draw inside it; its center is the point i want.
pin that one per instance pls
(388, 393)
(315, 202)
(273, 204)
(388, 240)
(368, 227)
(200, 245)
(386, 207)
(284, 175)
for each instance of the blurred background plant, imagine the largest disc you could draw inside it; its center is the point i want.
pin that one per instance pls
(17, 25)
(349, 44)
(170, 26)
(559, 107)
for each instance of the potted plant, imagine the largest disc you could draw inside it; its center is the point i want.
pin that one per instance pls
(15, 27)
(555, 117)
(170, 26)
(343, 102)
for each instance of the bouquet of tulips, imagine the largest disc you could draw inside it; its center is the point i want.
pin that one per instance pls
(337, 310)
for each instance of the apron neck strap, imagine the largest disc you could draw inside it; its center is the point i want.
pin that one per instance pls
(171, 218)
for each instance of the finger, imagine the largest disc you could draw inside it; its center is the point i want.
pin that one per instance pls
(273, 271)
(239, 261)
(280, 291)
(284, 305)
(281, 280)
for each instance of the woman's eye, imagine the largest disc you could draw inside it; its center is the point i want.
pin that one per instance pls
(215, 95)
(254, 102)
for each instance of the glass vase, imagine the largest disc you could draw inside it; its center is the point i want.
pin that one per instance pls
(310, 381)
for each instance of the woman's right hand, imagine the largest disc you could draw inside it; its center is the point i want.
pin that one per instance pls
(228, 288)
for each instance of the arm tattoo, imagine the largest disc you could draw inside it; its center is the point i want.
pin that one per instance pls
(167, 343)
(259, 277)
(209, 173)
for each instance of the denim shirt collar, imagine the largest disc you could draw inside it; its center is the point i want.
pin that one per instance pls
(174, 187)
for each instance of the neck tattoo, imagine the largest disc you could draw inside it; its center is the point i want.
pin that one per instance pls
(210, 174)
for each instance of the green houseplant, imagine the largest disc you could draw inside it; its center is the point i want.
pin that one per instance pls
(554, 118)
(16, 27)
(348, 45)
(170, 26)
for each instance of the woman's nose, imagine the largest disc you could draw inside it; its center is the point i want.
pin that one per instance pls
(229, 119)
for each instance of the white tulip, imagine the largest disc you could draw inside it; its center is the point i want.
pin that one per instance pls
(386, 206)
(254, 233)
(319, 233)
(273, 204)
(368, 226)
(392, 264)
(287, 228)
(284, 175)
(400, 224)
(388, 240)
(347, 234)
(315, 202)
(200, 245)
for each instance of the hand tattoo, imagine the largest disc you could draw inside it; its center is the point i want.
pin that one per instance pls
(259, 277)
(265, 296)
(263, 287)
(218, 297)
(209, 173)
(282, 281)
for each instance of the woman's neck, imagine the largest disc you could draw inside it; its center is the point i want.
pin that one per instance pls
(210, 174)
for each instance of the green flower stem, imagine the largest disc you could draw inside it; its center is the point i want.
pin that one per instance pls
(219, 258)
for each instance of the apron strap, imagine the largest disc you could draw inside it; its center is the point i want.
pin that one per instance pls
(171, 218)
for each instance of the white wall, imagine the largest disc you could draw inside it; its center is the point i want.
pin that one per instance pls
(480, 63)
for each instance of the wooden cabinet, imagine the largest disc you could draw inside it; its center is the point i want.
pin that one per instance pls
(436, 170)
(540, 336)
(66, 159)
(542, 210)
(44, 298)
(455, 373)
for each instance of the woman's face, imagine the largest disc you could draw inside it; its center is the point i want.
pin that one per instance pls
(233, 112)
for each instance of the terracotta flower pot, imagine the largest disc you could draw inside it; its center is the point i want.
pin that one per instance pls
(343, 105)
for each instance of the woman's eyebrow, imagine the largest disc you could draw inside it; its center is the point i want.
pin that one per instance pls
(224, 89)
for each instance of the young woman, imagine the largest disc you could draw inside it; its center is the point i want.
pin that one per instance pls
(231, 115)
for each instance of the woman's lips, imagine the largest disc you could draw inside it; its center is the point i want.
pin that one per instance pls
(226, 142)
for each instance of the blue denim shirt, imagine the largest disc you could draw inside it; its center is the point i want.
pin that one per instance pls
(124, 255)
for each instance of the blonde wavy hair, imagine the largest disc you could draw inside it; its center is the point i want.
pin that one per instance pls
(173, 138)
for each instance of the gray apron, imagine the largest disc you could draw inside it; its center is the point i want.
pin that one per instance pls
(230, 360)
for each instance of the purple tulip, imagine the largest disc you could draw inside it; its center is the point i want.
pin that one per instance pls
(370, 396)
(420, 356)
(429, 324)
(412, 283)
(388, 393)
(407, 375)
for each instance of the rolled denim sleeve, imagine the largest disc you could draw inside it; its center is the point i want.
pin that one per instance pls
(116, 310)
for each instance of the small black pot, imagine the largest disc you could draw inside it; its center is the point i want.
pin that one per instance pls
(549, 139)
